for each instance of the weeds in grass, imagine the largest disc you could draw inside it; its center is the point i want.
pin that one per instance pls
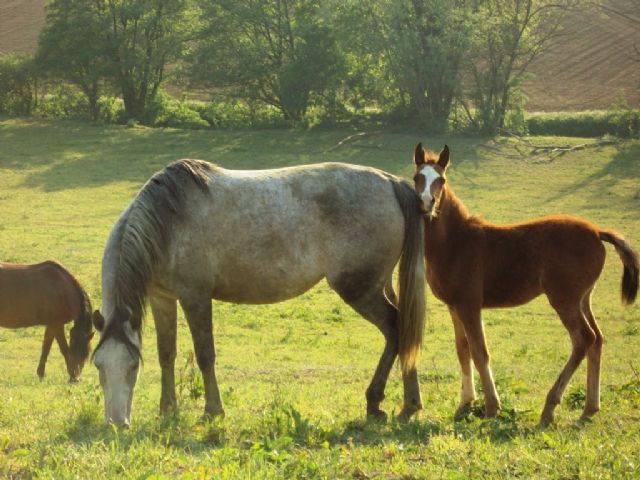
(189, 380)
(575, 397)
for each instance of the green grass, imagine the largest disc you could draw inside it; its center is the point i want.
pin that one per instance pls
(293, 375)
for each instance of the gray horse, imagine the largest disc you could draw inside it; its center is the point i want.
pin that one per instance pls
(196, 232)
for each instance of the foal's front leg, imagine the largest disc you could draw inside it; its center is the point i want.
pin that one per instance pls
(471, 320)
(165, 318)
(468, 389)
(197, 309)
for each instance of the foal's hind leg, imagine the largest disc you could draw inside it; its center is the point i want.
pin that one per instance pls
(468, 389)
(375, 307)
(46, 348)
(594, 354)
(165, 319)
(582, 339)
(197, 309)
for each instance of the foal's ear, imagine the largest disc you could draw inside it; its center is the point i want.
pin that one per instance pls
(443, 160)
(98, 320)
(419, 155)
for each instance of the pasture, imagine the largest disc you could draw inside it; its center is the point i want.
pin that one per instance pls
(293, 375)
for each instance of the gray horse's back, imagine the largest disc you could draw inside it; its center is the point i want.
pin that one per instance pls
(268, 235)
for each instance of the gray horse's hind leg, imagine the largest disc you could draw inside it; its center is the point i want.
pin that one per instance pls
(165, 318)
(375, 307)
(197, 309)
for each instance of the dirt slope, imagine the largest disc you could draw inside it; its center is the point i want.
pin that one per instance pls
(586, 68)
(591, 63)
(20, 23)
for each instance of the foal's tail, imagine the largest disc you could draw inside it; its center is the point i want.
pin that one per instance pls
(630, 261)
(411, 288)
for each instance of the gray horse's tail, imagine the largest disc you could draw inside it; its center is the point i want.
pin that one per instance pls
(411, 285)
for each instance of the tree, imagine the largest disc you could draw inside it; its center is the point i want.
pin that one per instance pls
(419, 45)
(279, 52)
(73, 44)
(143, 37)
(508, 35)
(125, 42)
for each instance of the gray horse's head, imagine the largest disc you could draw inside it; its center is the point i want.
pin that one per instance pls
(117, 358)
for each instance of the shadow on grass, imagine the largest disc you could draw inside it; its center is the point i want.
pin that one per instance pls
(286, 430)
(66, 155)
(623, 166)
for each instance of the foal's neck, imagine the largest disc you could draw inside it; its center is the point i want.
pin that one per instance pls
(452, 212)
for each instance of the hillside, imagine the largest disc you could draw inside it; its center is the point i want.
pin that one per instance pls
(587, 67)
(20, 23)
(591, 63)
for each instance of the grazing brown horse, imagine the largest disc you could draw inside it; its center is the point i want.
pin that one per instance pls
(47, 294)
(473, 264)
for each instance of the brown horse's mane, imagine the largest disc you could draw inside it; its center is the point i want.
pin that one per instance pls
(145, 233)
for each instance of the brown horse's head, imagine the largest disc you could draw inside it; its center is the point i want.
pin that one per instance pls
(79, 348)
(430, 178)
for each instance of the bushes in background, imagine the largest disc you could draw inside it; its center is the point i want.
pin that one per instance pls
(619, 121)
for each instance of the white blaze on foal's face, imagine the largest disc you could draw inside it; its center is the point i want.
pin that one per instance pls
(430, 175)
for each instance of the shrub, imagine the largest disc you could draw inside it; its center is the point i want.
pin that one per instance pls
(619, 121)
(17, 85)
(165, 111)
(65, 102)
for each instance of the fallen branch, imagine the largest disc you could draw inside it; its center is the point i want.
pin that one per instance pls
(552, 151)
(352, 138)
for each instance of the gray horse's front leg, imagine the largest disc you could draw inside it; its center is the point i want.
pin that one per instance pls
(165, 318)
(197, 309)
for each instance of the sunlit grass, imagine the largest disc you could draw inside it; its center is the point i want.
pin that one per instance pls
(293, 375)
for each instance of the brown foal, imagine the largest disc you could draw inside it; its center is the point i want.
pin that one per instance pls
(473, 264)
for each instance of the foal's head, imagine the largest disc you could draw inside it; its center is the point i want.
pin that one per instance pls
(430, 177)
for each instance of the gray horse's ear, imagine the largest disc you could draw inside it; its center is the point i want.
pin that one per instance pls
(443, 161)
(98, 320)
(135, 321)
(419, 155)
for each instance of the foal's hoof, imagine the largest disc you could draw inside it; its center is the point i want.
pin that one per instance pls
(589, 412)
(545, 421)
(407, 412)
(376, 415)
(463, 411)
(40, 373)
(210, 414)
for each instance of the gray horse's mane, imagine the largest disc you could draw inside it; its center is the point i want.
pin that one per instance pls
(147, 229)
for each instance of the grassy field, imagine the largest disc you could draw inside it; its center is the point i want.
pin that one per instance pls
(293, 375)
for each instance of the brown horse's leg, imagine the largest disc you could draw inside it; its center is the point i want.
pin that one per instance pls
(471, 319)
(46, 348)
(594, 354)
(582, 339)
(468, 389)
(165, 319)
(197, 309)
(58, 331)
